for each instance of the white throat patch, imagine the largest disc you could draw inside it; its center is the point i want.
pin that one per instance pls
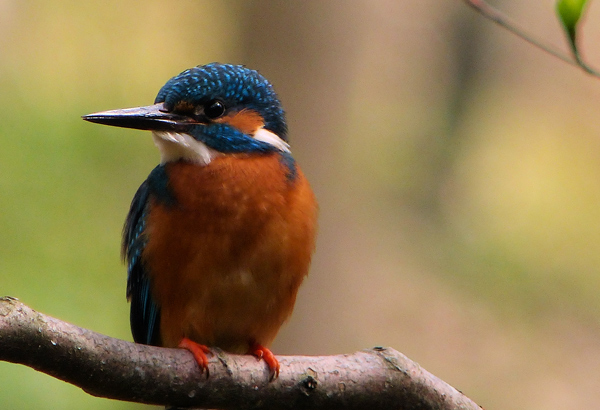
(174, 146)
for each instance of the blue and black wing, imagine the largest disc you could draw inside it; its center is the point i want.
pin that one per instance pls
(145, 314)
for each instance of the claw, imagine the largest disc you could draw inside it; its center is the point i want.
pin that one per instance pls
(199, 351)
(265, 354)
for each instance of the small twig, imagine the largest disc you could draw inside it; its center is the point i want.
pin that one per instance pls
(504, 21)
(379, 378)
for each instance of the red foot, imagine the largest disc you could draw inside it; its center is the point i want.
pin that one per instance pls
(199, 351)
(263, 353)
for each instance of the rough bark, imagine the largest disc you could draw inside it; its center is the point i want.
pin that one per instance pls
(379, 378)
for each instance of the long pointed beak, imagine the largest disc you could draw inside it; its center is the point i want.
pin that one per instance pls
(142, 118)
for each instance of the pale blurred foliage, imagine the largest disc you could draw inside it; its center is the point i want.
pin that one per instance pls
(456, 168)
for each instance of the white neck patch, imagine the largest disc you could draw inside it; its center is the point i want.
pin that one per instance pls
(271, 138)
(174, 146)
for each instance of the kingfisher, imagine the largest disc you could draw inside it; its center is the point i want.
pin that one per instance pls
(220, 235)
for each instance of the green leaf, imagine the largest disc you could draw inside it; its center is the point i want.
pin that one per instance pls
(569, 12)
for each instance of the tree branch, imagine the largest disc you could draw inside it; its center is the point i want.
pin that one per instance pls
(504, 21)
(379, 378)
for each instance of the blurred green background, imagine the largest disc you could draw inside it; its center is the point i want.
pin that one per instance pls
(457, 169)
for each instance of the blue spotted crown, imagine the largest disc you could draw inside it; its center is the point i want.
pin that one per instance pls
(236, 85)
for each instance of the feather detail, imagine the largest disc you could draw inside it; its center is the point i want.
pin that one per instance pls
(227, 261)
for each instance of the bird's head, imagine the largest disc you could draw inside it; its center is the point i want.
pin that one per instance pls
(208, 111)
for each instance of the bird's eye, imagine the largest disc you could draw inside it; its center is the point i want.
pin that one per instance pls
(214, 109)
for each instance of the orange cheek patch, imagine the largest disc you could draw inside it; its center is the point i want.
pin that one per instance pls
(247, 121)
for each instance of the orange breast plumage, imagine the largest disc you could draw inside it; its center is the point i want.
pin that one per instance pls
(227, 257)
